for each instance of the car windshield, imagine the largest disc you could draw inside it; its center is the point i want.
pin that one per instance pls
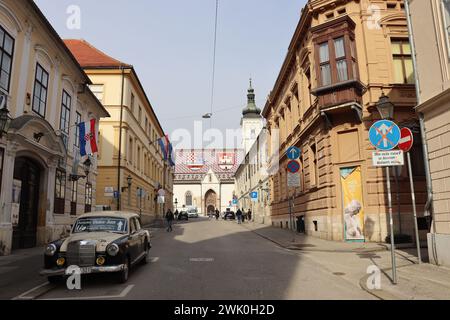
(100, 224)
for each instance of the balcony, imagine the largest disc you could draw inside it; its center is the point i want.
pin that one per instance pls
(339, 93)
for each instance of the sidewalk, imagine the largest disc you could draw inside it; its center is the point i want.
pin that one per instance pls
(296, 241)
(415, 282)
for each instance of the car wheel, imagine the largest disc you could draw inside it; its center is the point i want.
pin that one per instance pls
(123, 275)
(55, 279)
(146, 258)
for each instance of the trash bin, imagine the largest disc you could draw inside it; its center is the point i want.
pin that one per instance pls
(301, 228)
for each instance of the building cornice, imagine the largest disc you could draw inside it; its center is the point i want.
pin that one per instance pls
(436, 101)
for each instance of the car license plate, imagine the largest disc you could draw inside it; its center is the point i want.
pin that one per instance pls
(82, 270)
(86, 270)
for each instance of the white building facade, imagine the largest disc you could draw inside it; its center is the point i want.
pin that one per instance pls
(204, 179)
(44, 183)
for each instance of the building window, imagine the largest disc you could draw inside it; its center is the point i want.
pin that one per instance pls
(2, 152)
(65, 117)
(40, 90)
(188, 201)
(60, 191)
(130, 151)
(77, 130)
(140, 116)
(146, 126)
(98, 91)
(88, 198)
(341, 62)
(325, 66)
(132, 103)
(313, 170)
(403, 65)
(138, 159)
(73, 198)
(6, 57)
(337, 60)
(446, 14)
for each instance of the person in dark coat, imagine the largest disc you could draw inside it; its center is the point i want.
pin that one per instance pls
(169, 218)
(249, 215)
(217, 214)
(239, 216)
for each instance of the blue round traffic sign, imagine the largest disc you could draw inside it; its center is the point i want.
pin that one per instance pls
(293, 153)
(384, 135)
(293, 166)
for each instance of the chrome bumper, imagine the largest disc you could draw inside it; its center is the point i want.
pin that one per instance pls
(84, 270)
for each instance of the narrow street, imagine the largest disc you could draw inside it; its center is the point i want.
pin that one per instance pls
(201, 260)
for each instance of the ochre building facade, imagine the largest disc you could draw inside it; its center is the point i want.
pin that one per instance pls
(343, 56)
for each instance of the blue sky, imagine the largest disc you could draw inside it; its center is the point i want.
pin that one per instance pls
(170, 44)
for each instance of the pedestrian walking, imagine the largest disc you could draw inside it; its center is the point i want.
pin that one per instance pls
(249, 215)
(169, 218)
(176, 213)
(217, 214)
(239, 216)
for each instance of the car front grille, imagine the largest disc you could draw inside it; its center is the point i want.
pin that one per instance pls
(81, 253)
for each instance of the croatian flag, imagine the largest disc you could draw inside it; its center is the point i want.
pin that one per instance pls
(88, 138)
(167, 150)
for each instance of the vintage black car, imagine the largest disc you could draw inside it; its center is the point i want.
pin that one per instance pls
(183, 215)
(102, 242)
(229, 215)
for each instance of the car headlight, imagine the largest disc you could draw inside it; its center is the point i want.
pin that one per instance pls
(112, 249)
(50, 250)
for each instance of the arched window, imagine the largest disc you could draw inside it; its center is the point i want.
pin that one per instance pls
(188, 199)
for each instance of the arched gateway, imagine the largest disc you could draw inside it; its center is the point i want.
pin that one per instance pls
(210, 201)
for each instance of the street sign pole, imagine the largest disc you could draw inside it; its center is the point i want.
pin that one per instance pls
(391, 223)
(413, 198)
(291, 217)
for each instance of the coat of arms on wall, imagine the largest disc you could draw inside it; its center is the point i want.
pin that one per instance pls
(195, 161)
(226, 160)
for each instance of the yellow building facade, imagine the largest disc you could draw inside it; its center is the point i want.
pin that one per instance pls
(344, 55)
(44, 183)
(131, 163)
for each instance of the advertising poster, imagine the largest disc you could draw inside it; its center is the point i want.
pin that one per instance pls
(352, 195)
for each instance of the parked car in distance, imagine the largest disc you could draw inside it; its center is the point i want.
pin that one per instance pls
(183, 216)
(192, 213)
(100, 242)
(229, 215)
(102, 208)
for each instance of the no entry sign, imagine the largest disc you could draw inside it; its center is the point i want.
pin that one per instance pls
(406, 140)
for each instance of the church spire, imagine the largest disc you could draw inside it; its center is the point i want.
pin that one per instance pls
(251, 110)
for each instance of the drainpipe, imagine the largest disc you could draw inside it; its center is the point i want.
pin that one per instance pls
(119, 198)
(428, 206)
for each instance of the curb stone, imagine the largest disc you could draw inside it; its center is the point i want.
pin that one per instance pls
(292, 248)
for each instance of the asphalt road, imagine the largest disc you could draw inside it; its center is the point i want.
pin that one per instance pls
(208, 259)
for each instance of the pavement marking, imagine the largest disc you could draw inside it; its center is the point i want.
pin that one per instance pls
(154, 259)
(201, 259)
(25, 295)
(123, 294)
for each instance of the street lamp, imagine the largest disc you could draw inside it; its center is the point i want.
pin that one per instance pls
(176, 204)
(385, 107)
(129, 181)
(5, 119)
(87, 169)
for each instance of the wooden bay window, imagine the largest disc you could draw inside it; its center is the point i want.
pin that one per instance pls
(337, 64)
